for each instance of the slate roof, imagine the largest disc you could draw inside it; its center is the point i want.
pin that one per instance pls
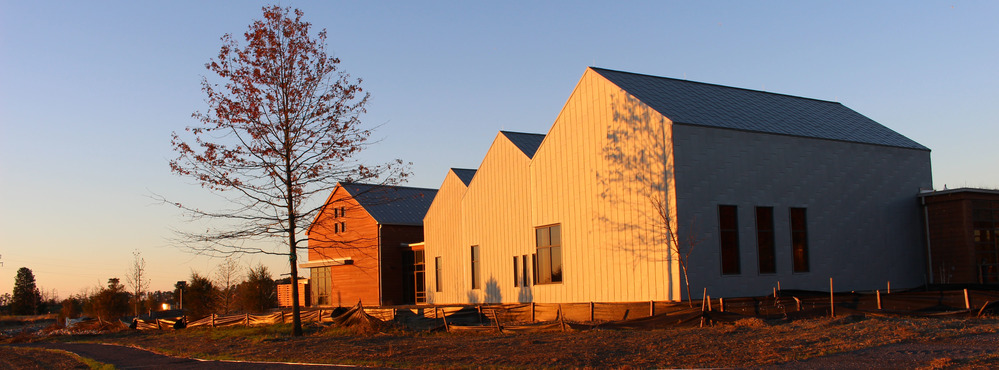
(527, 143)
(392, 205)
(702, 104)
(465, 175)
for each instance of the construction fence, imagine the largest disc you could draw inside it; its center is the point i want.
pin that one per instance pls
(788, 305)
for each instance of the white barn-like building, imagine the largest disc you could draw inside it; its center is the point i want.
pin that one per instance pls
(758, 187)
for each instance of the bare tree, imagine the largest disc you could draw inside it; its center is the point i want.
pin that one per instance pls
(137, 279)
(227, 277)
(281, 130)
(678, 250)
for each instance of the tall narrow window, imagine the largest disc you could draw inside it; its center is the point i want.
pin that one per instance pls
(549, 263)
(526, 280)
(799, 240)
(438, 272)
(728, 224)
(476, 282)
(534, 266)
(341, 212)
(343, 226)
(516, 271)
(765, 240)
(336, 228)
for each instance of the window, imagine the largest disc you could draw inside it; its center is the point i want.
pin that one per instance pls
(799, 240)
(549, 261)
(476, 282)
(321, 285)
(419, 271)
(765, 240)
(336, 228)
(534, 265)
(336, 213)
(439, 273)
(523, 260)
(342, 214)
(728, 224)
(985, 233)
(516, 271)
(343, 226)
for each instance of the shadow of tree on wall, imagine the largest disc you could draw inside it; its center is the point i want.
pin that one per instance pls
(639, 175)
(491, 293)
(525, 294)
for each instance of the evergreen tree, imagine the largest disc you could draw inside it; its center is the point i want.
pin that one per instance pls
(27, 299)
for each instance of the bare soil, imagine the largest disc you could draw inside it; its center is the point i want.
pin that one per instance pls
(872, 341)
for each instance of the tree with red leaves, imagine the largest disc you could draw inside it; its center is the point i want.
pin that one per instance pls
(282, 128)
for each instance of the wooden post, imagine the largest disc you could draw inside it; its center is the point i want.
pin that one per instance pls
(778, 285)
(499, 328)
(967, 302)
(213, 320)
(652, 308)
(532, 312)
(479, 308)
(797, 303)
(721, 304)
(591, 311)
(708, 298)
(775, 292)
(832, 302)
(889, 286)
(561, 316)
(983, 308)
(879, 298)
(444, 316)
(246, 319)
(703, 296)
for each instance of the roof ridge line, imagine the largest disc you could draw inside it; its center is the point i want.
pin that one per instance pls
(718, 85)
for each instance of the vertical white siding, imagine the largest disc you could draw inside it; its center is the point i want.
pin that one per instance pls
(495, 213)
(604, 158)
(442, 235)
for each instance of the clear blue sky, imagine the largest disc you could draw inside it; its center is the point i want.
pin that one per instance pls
(90, 92)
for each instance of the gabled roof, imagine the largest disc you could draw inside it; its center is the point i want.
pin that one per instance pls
(392, 205)
(464, 174)
(527, 143)
(702, 104)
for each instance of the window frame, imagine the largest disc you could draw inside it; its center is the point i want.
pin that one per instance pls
(766, 253)
(476, 267)
(549, 267)
(728, 241)
(800, 262)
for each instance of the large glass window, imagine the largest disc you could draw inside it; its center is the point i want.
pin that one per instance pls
(476, 281)
(549, 261)
(799, 240)
(765, 240)
(321, 285)
(728, 225)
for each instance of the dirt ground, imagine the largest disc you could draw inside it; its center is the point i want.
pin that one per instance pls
(37, 358)
(815, 343)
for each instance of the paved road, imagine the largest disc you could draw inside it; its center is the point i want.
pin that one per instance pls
(131, 358)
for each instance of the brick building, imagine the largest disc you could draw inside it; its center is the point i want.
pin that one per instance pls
(963, 235)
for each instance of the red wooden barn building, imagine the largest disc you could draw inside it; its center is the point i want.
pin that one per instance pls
(359, 246)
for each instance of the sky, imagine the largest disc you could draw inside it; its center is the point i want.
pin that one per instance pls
(90, 93)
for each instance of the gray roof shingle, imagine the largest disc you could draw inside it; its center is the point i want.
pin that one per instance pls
(392, 205)
(527, 143)
(465, 175)
(702, 104)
